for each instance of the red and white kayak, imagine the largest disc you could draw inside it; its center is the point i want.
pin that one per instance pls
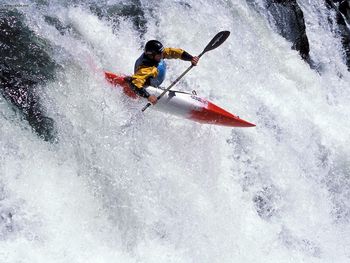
(185, 105)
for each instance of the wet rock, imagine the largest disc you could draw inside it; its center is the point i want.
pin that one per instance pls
(25, 64)
(344, 8)
(289, 21)
(341, 6)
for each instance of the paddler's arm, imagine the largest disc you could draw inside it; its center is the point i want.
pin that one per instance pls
(139, 80)
(179, 53)
(144, 93)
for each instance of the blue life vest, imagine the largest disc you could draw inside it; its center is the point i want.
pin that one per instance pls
(161, 67)
(161, 74)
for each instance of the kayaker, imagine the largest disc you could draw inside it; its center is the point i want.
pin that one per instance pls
(150, 68)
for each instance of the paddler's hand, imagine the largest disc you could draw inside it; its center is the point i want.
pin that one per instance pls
(152, 99)
(194, 61)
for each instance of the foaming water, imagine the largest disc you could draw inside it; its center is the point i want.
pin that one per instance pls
(120, 186)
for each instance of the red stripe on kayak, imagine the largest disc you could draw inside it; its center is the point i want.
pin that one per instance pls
(213, 114)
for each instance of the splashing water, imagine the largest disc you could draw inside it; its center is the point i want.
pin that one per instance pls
(165, 189)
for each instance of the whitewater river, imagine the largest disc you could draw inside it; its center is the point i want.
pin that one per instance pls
(112, 187)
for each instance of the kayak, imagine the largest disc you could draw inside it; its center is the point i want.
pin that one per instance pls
(183, 104)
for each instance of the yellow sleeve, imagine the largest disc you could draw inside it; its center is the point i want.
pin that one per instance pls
(172, 52)
(142, 74)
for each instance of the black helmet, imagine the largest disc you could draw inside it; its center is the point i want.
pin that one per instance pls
(153, 47)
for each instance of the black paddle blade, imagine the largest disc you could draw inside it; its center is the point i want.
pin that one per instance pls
(217, 40)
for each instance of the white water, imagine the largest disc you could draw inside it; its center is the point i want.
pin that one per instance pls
(169, 190)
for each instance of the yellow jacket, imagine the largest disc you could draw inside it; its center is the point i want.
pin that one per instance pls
(148, 68)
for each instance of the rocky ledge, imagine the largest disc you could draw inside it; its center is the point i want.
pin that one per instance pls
(288, 18)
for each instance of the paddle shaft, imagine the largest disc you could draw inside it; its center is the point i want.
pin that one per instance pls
(168, 88)
(214, 43)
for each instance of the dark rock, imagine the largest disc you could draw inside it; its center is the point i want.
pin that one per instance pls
(344, 8)
(341, 6)
(24, 64)
(289, 21)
